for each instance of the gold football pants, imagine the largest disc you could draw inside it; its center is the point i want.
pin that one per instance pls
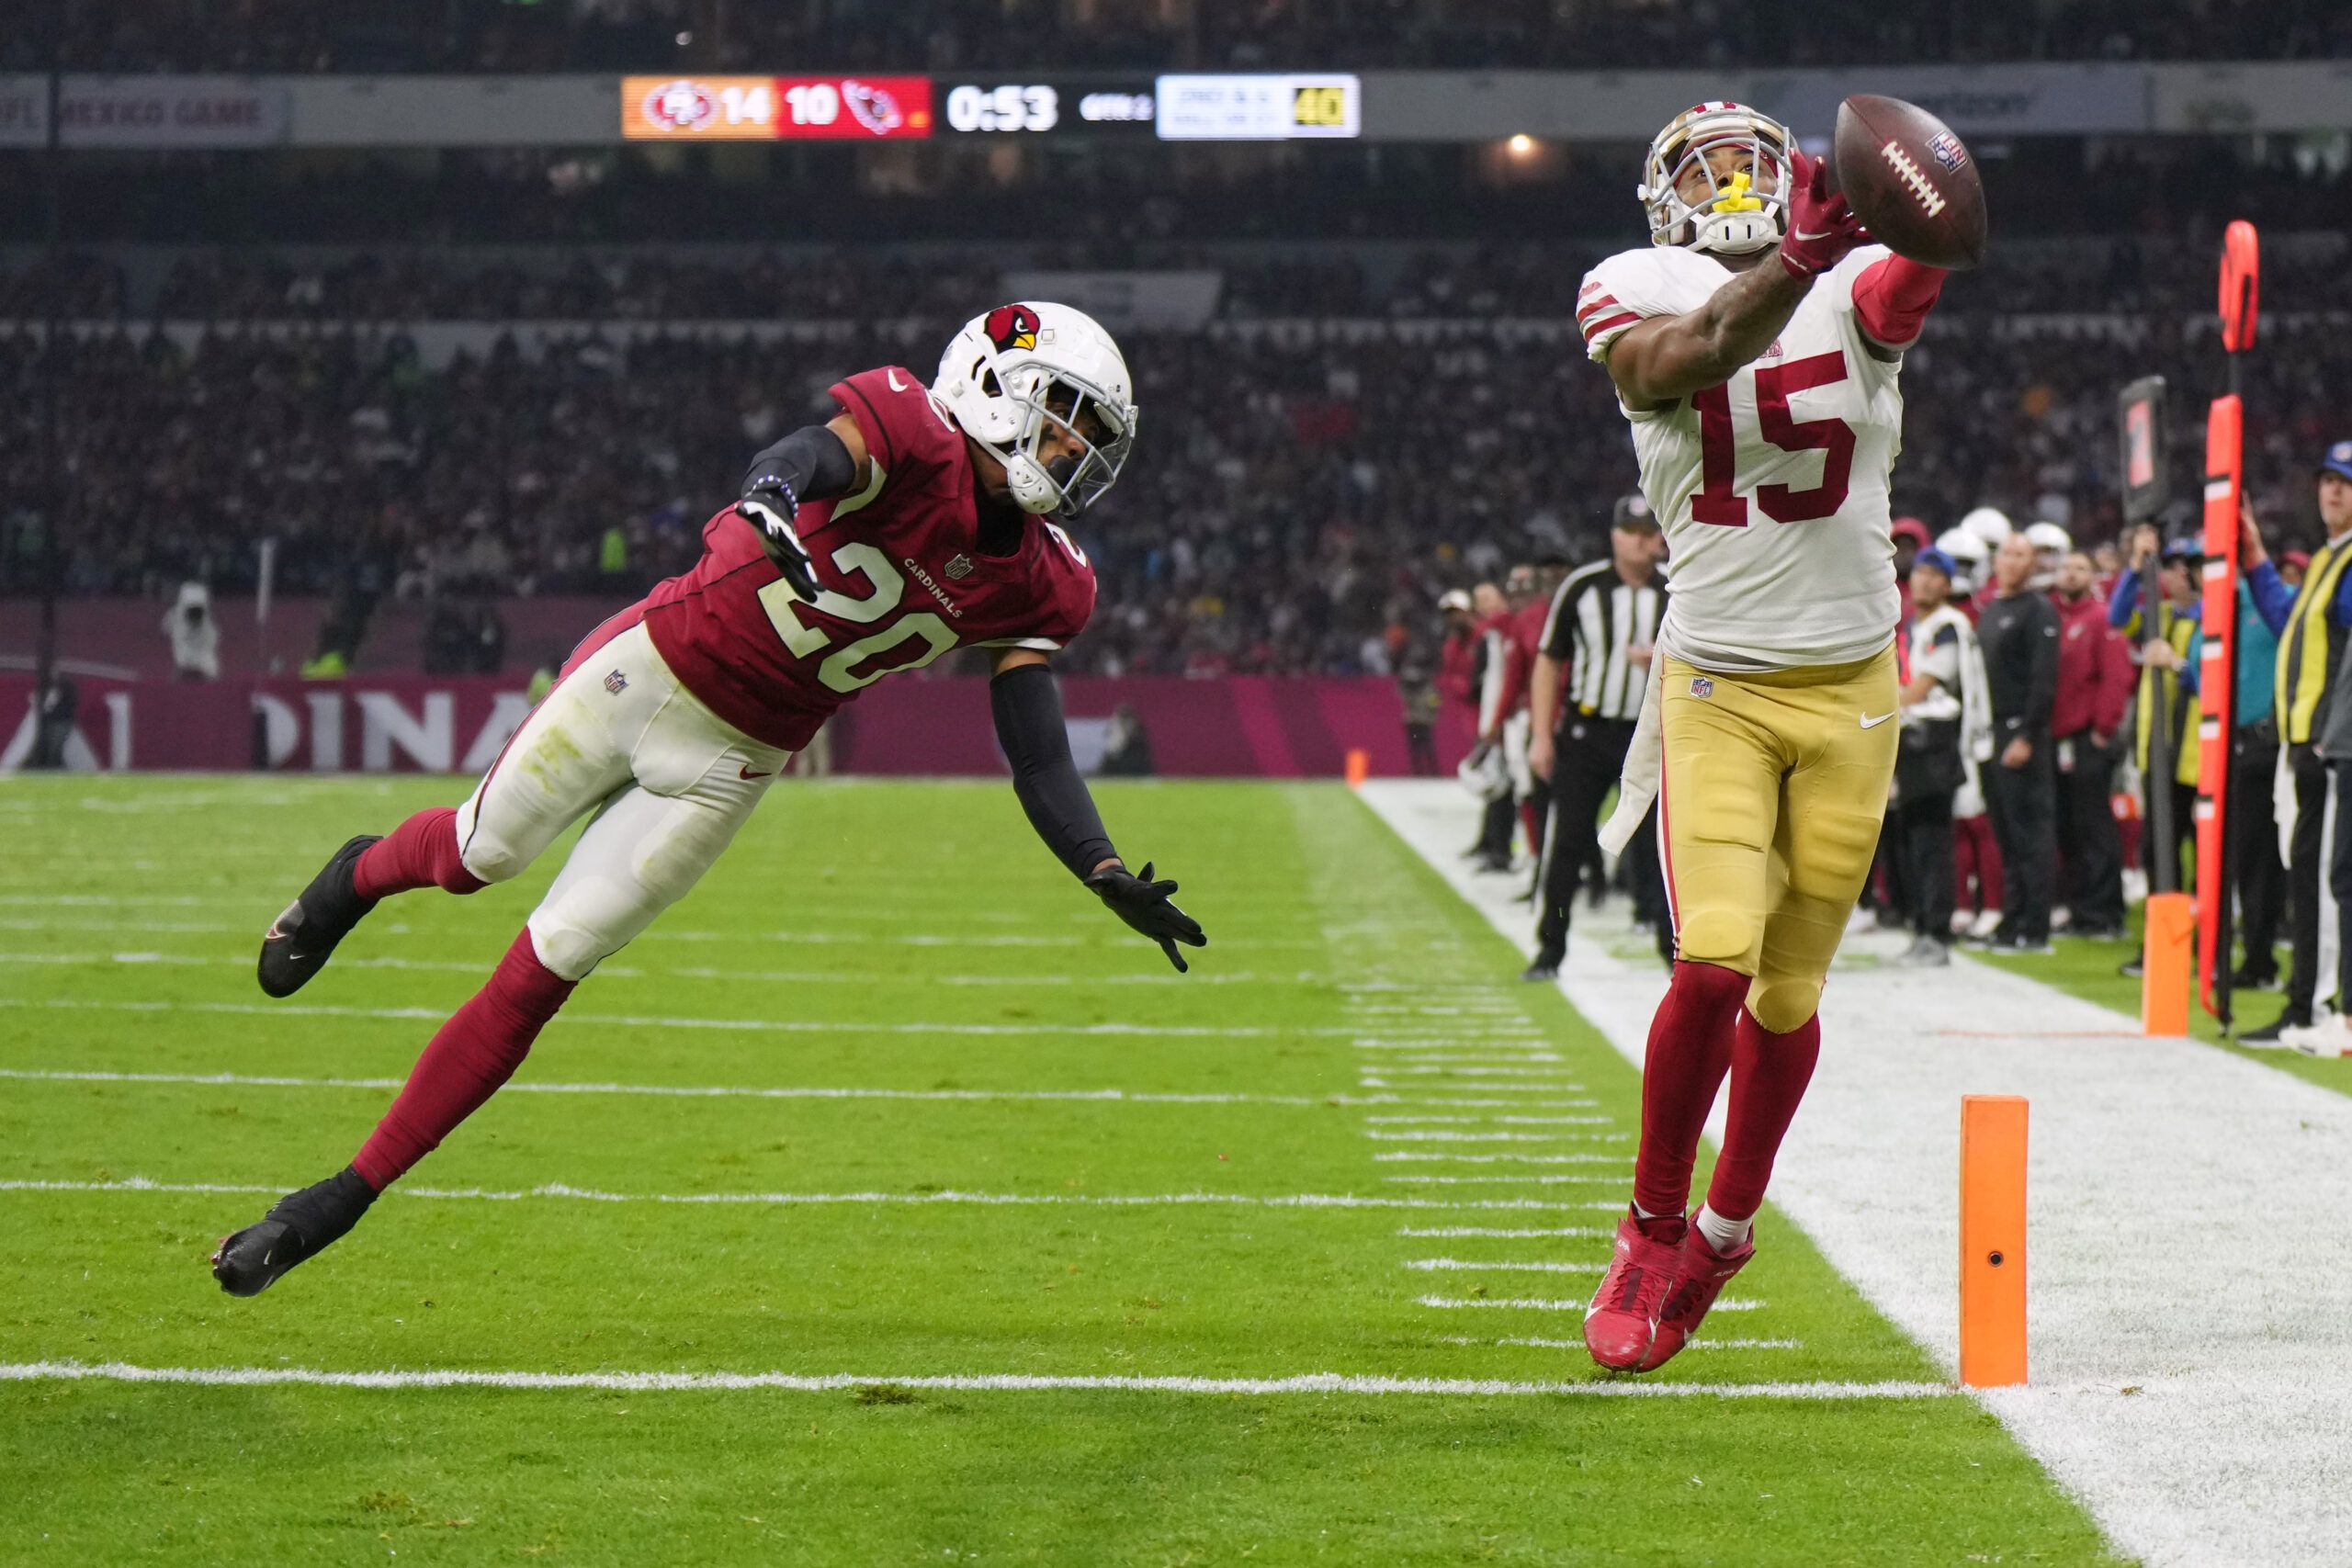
(1775, 785)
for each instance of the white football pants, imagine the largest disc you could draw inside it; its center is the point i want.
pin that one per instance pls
(669, 781)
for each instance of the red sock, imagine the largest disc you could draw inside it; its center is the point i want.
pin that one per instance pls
(420, 853)
(1690, 1051)
(1769, 1074)
(470, 1055)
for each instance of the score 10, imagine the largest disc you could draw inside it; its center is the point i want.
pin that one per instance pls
(747, 108)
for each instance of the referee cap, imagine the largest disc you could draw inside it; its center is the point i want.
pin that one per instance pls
(1632, 512)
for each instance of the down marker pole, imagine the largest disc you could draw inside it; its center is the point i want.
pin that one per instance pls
(1992, 1240)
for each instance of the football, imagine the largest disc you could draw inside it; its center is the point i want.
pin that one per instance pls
(1910, 181)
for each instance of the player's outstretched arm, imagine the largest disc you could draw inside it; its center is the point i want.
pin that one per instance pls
(1666, 358)
(1028, 710)
(818, 462)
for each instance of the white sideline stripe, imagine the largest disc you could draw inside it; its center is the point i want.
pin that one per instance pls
(684, 1092)
(1418, 1154)
(1701, 1343)
(1522, 1266)
(1537, 1303)
(779, 1026)
(968, 1382)
(588, 1194)
(2242, 1365)
(1420, 1136)
(1412, 1070)
(625, 971)
(1582, 1233)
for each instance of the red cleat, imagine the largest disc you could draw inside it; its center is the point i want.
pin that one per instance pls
(1704, 1273)
(1622, 1320)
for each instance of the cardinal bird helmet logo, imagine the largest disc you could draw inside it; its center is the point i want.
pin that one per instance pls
(1010, 327)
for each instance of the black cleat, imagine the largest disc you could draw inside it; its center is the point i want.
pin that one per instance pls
(1546, 966)
(297, 1226)
(299, 941)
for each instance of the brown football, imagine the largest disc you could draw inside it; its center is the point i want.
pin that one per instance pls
(1909, 180)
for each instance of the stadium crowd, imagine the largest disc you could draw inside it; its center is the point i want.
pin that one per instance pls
(1306, 492)
(377, 36)
(652, 284)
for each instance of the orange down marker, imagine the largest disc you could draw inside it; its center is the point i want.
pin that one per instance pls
(1359, 766)
(2166, 960)
(1992, 1240)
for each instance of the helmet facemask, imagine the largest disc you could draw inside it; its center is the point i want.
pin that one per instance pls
(1065, 409)
(1742, 209)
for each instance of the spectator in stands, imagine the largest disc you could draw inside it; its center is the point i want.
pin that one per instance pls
(2310, 650)
(195, 635)
(2095, 680)
(2019, 633)
(1928, 764)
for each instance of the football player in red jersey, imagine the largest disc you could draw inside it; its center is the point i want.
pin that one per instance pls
(916, 521)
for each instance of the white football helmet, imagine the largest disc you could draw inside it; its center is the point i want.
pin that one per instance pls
(1021, 370)
(1989, 523)
(1741, 211)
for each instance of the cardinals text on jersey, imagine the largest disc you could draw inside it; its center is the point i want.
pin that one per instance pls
(1772, 487)
(904, 580)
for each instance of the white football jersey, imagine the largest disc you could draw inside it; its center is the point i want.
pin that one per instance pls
(1772, 487)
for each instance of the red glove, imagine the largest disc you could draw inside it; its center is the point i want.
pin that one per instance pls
(1820, 227)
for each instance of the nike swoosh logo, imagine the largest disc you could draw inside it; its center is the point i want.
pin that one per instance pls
(1869, 723)
(745, 772)
(1802, 235)
(896, 385)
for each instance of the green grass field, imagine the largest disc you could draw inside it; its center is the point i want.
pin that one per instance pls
(1351, 1031)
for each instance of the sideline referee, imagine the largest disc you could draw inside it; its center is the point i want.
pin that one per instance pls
(1583, 698)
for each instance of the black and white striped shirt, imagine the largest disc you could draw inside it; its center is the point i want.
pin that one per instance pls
(1597, 618)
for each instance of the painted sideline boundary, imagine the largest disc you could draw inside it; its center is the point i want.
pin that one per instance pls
(974, 1382)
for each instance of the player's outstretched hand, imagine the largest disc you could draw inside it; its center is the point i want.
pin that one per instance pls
(1821, 227)
(1148, 905)
(772, 509)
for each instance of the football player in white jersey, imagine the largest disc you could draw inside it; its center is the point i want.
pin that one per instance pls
(1755, 345)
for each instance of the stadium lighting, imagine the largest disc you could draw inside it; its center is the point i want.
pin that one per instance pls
(1520, 145)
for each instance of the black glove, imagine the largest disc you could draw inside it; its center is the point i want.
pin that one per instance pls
(771, 508)
(1145, 905)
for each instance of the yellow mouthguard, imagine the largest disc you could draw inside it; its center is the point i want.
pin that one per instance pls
(1736, 198)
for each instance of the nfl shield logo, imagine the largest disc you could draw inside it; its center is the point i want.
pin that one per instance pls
(959, 568)
(1945, 147)
(1702, 687)
(615, 682)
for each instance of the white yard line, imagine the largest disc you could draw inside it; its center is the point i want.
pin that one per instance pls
(1580, 1233)
(1701, 1343)
(702, 1091)
(1511, 1266)
(640, 1020)
(685, 971)
(1539, 1304)
(1623, 1162)
(1422, 1135)
(967, 1382)
(2192, 1327)
(590, 1195)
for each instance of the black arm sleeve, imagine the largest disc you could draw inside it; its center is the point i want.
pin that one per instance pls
(811, 459)
(1028, 709)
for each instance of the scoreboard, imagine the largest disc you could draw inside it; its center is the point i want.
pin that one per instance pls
(769, 108)
(1100, 106)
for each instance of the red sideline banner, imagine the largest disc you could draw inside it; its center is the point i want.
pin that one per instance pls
(1240, 726)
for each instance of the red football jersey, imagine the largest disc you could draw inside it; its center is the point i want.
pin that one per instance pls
(903, 575)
